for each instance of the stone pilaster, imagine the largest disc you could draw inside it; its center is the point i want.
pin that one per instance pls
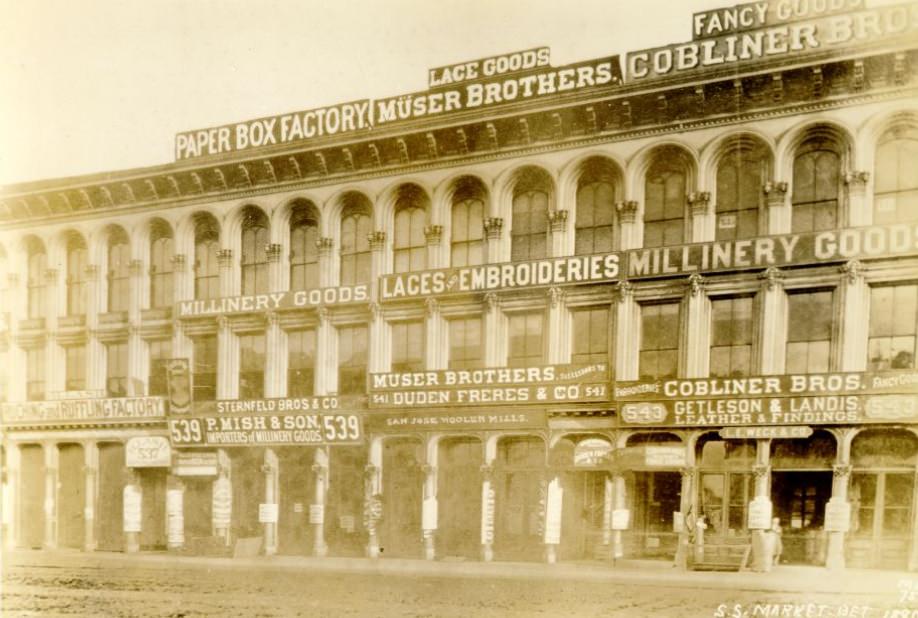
(493, 227)
(495, 340)
(773, 320)
(271, 471)
(631, 229)
(276, 360)
(702, 218)
(779, 210)
(326, 369)
(49, 449)
(628, 332)
(859, 203)
(558, 328)
(227, 360)
(696, 331)
(320, 470)
(437, 341)
(855, 300)
(90, 475)
(138, 358)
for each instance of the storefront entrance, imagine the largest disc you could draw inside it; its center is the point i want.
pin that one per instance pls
(459, 497)
(248, 491)
(402, 497)
(656, 497)
(725, 487)
(110, 502)
(153, 508)
(582, 515)
(296, 483)
(197, 507)
(519, 472)
(344, 531)
(31, 496)
(71, 496)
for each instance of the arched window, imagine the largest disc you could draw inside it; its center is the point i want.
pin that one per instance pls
(816, 186)
(356, 227)
(665, 190)
(119, 270)
(529, 227)
(76, 275)
(896, 178)
(594, 226)
(741, 175)
(38, 263)
(409, 243)
(161, 250)
(206, 268)
(254, 259)
(467, 224)
(304, 253)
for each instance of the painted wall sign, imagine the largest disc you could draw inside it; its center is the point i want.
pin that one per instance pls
(326, 403)
(809, 410)
(267, 513)
(501, 88)
(114, 409)
(656, 456)
(716, 256)
(198, 463)
(747, 47)
(493, 66)
(266, 429)
(148, 452)
(500, 385)
(862, 382)
(416, 420)
(755, 433)
(753, 15)
(317, 297)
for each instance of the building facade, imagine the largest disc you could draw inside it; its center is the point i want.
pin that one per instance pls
(614, 317)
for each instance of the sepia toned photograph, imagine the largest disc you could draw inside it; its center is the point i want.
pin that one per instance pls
(491, 308)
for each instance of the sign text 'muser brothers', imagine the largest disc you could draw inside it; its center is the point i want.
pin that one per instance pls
(746, 254)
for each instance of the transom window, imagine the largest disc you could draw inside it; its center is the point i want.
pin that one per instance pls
(731, 337)
(809, 332)
(893, 327)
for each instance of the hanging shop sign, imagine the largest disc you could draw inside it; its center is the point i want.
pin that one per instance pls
(514, 62)
(715, 256)
(465, 420)
(754, 15)
(861, 382)
(824, 34)
(811, 410)
(148, 452)
(498, 385)
(178, 382)
(757, 433)
(298, 299)
(195, 463)
(507, 79)
(592, 452)
(266, 429)
(71, 410)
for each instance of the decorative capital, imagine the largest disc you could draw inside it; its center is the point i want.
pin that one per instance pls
(133, 329)
(50, 275)
(377, 240)
(841, 471)
(695, 284)
(771, 277)
(698, 202)
(222, 322)
(433, 233)
(493, 226)
(375, 310)
(761, 471)
(272, 318)
(627, 211)
(325, 245)
(557, 220)
(225, 258)
(857, 180)
(853, 270)
(555, 296)
(91, 272)
(135, 267)
(178, 261)
(624, 290)
(688, 472)
(492, 300)
(322, 315)
(432, 306)
(273, 252)
(775, 189)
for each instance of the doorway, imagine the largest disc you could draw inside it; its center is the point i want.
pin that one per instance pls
(582, 514)
(109, 505)
(296, 491)
(519, 475)
(153, 508)
(799, 501)
(31, 496)
(459, 497)
(402, 497)
(71, 496)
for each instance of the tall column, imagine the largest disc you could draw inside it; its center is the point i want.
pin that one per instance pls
(558, 328)
(227, 360)
(554, 508)
(696, 331)
(488, 504)
(557, 227)
(277, 279)
(619, 503)
(702, 229)
(685, 505)
(859, 203)
(326, 368)
(629, 226)
(12, 514)
(434, 235)
(50, 507)
(175, 513)
(492, 230)
(779, 209)
(773, 321)
(133, 509)
(855, 299)
(317, 509)
(372, 507)
(838, 503)
(495, 336)
(762, 471)
(430, 508)
(276, 358)
(271, 470)
(222, 497)
(627, 332)
(437, 341)
(379, 358)
(91, 473)
(327, 267)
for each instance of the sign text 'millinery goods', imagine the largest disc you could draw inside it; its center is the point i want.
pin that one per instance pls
(498, 385)
(114, 409)
(727, 255)
(497, 85)
(274, 300)
(266, 429)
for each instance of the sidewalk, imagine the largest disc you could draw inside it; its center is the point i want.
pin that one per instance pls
(781, 579)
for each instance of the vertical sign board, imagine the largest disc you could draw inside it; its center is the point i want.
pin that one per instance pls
(175, 517)
(621, 518)
(838, 515)
(317, 513)
(553, 512)
(178, 383)
(222, 502)
(487, 512)
(429, 514)
(132, 508)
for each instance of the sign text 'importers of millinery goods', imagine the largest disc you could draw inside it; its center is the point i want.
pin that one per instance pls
(267, 429)
(497, 385)
(716, 256)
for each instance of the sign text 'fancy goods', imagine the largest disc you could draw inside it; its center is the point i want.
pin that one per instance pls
(753, 15)
(498, 385)
(727, 255)
(71, 410)
(267, 429)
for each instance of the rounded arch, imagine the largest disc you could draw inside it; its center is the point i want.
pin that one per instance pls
(465, 206)
(825, 129)
(390, 198)
(886, 447)
(734, 171)
(353, 223)
(641, 161)
(875, 129)
(285, 215)
(521, 176)
(590, 188)
(333, 207)
(670, 172)
(715, 151)
(242, 216)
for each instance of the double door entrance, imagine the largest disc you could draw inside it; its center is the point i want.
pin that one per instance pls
(881, 505)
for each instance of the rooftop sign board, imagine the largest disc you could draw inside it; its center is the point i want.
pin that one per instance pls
(498, 82)
(753, 15)
(514, 62)
(746, 47)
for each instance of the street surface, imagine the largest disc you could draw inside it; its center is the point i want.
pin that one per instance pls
(183, 590)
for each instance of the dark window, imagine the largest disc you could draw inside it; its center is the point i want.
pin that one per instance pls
(352, 360)
(161, 279)
(464, 343)
(895, 188)
(206, 265)
(591, 335)
(251, 366)
(160, 352)
(35, 374)
(731, 337)
(809, 332)
(529, 226)
(594, 227)
(76, 276)
(893, 327)
(38, 264)
(254, 259)
(119, 271)
(409, 244)
(301, 362)
(816, 187)
(116, 363)
(75, 376)
(467, 228)
(526, 330)
(741, 175)
(304, 253)
(356, 227)
(664, 199)
(659, 353)
(408, 346)
(204, 378)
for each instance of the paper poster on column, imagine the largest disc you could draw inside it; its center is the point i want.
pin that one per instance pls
(132, 508)
(608, 488)
(838, 515)
(222, 502)
(267, 513)
(553, 505)
(759, 517)
(621, 518)
(487, 513)
(317, 513)
(429, 514)
(175, 518)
